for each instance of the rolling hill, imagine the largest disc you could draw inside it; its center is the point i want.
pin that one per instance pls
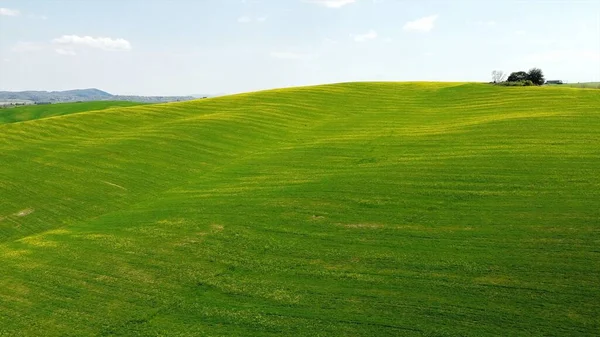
(30, 112)
(354, 209)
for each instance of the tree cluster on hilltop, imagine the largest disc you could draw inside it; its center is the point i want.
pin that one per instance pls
(534, 76)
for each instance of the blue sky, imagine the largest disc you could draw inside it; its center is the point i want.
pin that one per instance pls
(180, 47)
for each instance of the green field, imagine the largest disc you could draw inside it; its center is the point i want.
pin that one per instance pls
(30, 112)
(357, 209)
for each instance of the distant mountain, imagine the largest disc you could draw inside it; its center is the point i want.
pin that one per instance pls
(83, 95)
(92, 93)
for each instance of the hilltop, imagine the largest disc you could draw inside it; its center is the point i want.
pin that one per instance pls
(363, 209)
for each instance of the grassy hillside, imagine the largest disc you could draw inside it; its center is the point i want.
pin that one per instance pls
(360, 209)
(30, 112)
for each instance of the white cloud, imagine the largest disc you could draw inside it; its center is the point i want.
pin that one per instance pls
(366, 37)
(65, 51)
(564, 56)
(332, 3)
(24, 47)
(9, 12)
(425, 24)
(104, 43)
(286, 55)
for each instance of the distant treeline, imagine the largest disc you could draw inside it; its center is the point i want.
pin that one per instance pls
(534, 76)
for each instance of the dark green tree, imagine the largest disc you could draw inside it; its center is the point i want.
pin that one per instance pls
(536, 76)
(517, 76)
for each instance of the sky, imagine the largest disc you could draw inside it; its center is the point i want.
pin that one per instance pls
(182, 47)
